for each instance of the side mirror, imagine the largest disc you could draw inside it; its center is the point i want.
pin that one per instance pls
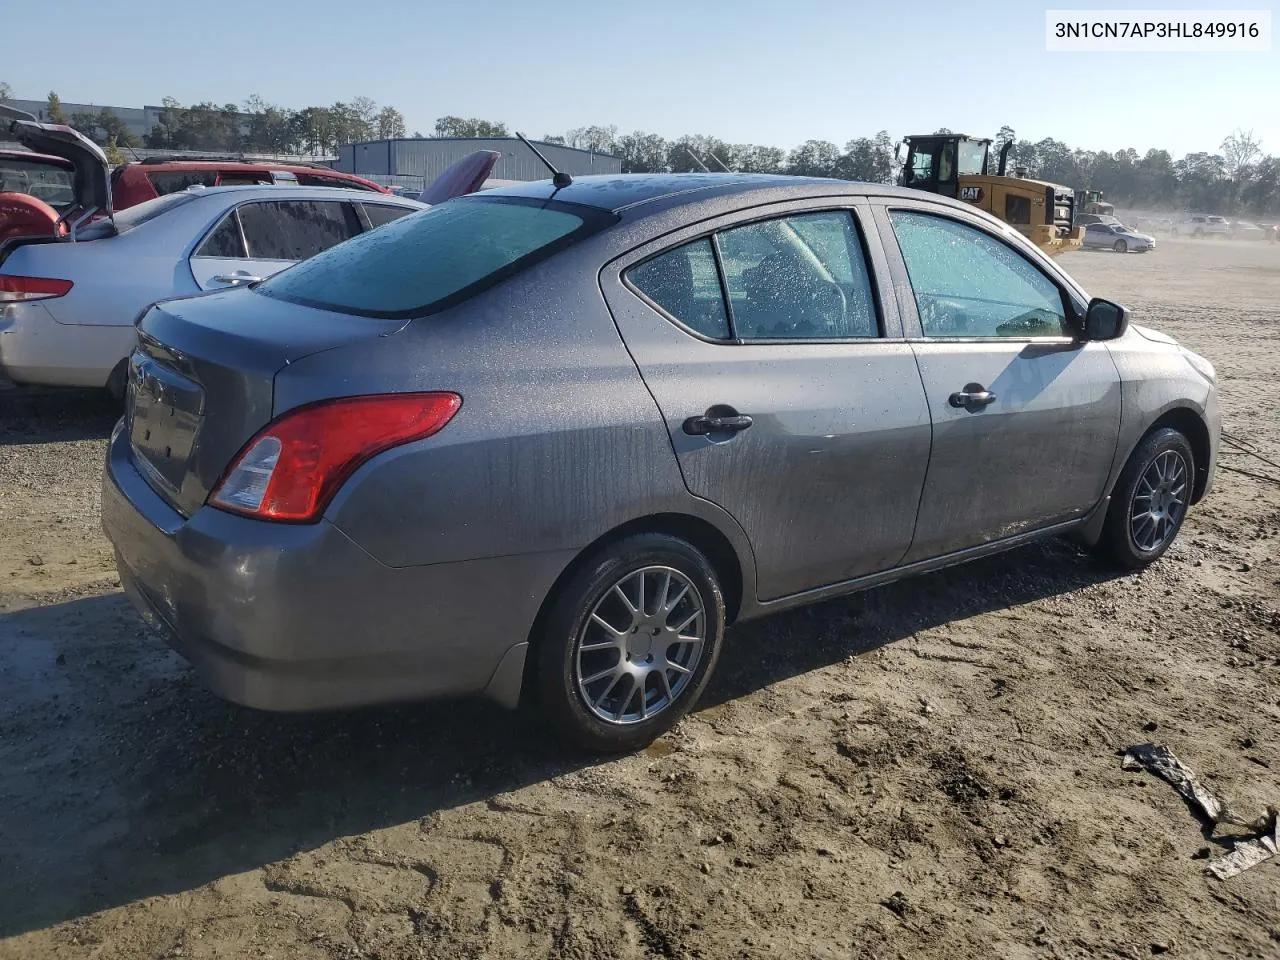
(1105, 320)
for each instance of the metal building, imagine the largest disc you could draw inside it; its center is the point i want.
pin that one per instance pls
(427, 158)
(137, 120)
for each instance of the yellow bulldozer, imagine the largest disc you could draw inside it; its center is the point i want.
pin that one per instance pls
(958, 166)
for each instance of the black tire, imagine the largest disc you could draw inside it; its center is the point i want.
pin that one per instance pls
(1121, 247)
(1118, 543)
(556, 665)
(117, 381)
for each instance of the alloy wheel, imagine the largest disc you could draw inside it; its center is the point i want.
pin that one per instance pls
(640, 645)
(1159, 501)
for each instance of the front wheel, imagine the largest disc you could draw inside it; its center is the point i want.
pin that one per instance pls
(1121, 247)
(630, 643)
(1150, 500)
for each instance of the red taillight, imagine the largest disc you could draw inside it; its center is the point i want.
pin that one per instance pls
(23, 289)
(293, 467)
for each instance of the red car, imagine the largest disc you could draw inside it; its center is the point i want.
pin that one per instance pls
(60, 185)
(132, 183)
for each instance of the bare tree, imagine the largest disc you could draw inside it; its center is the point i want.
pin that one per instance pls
(1240, 151)
(390, 124)
(6, 91)
(365, 111)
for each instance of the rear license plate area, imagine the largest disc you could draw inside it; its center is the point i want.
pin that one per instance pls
(164, 414)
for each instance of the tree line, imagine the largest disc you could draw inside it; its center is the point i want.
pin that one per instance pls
(1238, 179)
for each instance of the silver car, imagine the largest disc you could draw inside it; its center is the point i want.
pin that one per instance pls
(548, 442)
(67, 309)
(69, 295)
(1117, 237)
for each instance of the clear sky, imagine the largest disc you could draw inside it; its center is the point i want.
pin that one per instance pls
(773, 72)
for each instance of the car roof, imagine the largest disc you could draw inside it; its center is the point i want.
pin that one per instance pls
(276, 190)
(232, 164)
(629, 191)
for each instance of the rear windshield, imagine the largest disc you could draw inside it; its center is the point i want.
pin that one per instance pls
(125, 220)
(434, 259)
(40, 179)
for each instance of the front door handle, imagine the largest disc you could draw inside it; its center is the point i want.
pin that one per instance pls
(974, 396)
(235, 279)
(701, 426)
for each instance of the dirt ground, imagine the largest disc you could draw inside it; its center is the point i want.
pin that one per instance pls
(925, 770)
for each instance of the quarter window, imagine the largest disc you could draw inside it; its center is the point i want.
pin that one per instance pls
(225, 241)
(296, 229)
(798, 277)
(380, 213)
(969, 284)
(685, 284)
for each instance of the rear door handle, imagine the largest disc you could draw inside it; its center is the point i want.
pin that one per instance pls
(235, 279)
(701, 426)
(974, 396)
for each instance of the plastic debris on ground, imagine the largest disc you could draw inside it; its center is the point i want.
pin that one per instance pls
(1247, 852)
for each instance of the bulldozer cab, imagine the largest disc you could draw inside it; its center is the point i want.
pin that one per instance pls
(958, 166)
(937, 162)
(1093, 203)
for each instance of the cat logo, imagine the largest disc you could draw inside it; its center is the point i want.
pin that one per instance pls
(972, 194)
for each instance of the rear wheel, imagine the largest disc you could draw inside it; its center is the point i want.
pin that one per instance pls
(630, 642)
(1150, 500)
(1121, 247)
(116, 381)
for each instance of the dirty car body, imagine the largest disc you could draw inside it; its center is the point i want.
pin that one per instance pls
(779, 374)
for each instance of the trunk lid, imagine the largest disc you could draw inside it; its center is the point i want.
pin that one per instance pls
(202, 380)
(462, 177)
(92, 182)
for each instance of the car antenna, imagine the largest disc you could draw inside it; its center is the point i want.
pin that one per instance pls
(559, 178)
(719, 161)
(697, 160)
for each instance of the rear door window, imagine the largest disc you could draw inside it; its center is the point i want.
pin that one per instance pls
(242, 178)
(798, 277)
(296, 229)
(172, 181)
(421, 264)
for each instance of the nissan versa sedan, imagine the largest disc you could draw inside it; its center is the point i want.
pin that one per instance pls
(546, 444)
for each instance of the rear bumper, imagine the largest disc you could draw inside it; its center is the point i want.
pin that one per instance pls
(299, 617)
(35, 348)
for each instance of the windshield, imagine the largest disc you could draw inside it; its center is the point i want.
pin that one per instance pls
(973, 159)
(40, 179)
(431, 260)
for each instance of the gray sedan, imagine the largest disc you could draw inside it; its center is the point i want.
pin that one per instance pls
(548, 443)
(1117, 237)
